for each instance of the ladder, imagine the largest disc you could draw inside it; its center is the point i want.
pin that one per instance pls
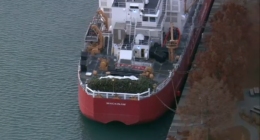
(162, 19)
(132, 30)
(164, 2)
(163, 15)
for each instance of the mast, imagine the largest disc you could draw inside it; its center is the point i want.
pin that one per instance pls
(171, 45)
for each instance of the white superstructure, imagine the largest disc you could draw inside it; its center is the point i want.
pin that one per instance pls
(146, 13)
(137, 24)
(122, 35)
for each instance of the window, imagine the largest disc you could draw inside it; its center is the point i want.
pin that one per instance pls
(134, 7)
(142, 53)
(108, 10)
(171, 17)
(152, 19)
(175, 8)
(145, 18)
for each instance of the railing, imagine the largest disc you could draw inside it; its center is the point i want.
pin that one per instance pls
(153, 11)
(146, 10)
(91, 38)
(127, 46)
(111, 95)
(132, 21)
(150, 11)
(163, 84)
(163, 21)
(175, 6)
(144, 42)
(188, 30)
(146, 64)
(118, 4)
(165, 14)
(134, 0)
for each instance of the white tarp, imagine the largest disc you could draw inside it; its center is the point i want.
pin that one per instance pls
(120, 77)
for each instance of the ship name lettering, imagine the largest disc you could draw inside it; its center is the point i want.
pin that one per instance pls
(121, 104)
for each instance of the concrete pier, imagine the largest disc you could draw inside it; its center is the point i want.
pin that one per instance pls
(177, 124)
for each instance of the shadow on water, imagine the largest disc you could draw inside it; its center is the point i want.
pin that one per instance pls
(156, 130)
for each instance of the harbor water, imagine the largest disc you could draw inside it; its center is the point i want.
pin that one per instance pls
(40, 44)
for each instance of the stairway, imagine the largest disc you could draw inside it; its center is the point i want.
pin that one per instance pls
(162, 18)
(132, 30)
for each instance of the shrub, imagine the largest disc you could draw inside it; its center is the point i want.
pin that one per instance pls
(121, 85)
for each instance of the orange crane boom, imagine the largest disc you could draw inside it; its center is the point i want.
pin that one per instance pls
(100, 36)
(103, 15)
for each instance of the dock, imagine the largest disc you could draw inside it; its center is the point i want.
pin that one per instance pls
(177, 124)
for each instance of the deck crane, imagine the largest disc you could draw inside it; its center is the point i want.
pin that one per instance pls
(104, 17)
(96, 48)
(100, 36)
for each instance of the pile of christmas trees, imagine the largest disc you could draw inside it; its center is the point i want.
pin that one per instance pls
(121, 85)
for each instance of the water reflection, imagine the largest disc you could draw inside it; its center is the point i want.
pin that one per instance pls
(157, 130)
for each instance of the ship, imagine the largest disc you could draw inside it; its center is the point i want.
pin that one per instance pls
(136, 56)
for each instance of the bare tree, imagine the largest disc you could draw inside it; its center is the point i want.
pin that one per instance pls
(198, 133)
(229, 48)
(208, 104)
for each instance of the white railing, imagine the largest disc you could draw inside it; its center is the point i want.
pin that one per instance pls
(158, 5)
(135, 23)
(111, 95)
(165, 13)
(163, 84)
(153, 11)
(146, 64)
(118, 4)
(150, 11)
(134, 0)
(175, 6)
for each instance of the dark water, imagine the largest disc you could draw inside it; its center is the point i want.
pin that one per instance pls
(40, 42)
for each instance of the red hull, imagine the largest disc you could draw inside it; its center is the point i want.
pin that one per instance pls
(134, 112)
(129, 111)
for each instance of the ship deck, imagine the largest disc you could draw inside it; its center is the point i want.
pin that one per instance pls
(151, 5)
(161, 70)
